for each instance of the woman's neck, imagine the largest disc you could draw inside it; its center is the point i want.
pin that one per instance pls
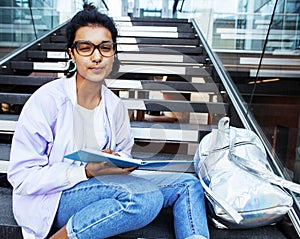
(88, 94)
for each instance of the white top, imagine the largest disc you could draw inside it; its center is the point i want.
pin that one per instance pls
(84, 127)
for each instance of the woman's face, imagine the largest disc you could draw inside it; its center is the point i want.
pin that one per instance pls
(95, 67)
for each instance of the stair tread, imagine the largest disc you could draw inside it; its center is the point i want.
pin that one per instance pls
(151, 19)
(136, 47)
(8, 121)
(6, 207)
(167, 57)
(61, 39)
(162, 225)
(142, 104)
(147, 68)
(119, 83)
(25, 80)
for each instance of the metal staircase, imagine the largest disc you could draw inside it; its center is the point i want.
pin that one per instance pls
(172, 86)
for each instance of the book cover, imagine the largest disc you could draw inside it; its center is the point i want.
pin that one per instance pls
(91, 155)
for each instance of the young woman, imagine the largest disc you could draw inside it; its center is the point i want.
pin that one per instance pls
(93, 200)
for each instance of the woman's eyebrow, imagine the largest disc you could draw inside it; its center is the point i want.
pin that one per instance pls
(104, 41)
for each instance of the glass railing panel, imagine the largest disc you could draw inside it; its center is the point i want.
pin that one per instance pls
(21, 27)
(246, 31)
(21, 22)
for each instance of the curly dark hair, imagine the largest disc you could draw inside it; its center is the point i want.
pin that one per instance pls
(89, 16)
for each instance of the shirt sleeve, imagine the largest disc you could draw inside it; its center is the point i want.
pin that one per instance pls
(77, 174)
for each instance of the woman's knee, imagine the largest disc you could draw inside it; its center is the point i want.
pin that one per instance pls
(190, 182)
(193, 180)
(142, 199)
(188, 178)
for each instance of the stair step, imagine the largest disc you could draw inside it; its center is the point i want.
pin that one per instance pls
(176, 86)
(148, 68)
(53, 46)
(176, 106)
(196, 50)
(165, 49)
(181, 27)
(154, 31)
(123, 27)
(161, 69)
(118, 84)
(161, 227)
(157, 34)
(181, 23)
(150, 20)
(8, 227)
(141, 130)
(5, 151)
(58, 39)
(169, 131)
(159, 41)
(153, 22)
(168, 57)
(142, 104)
(14, 98)
(47, 55)
(25, 80)
(10, 230)
(124, 57)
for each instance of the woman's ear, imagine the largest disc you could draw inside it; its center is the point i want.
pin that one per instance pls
(71, 53)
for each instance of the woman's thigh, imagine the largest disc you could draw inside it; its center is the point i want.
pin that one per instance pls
(172, 185)
(118, 187)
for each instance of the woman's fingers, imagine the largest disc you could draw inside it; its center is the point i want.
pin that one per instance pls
(105, 168)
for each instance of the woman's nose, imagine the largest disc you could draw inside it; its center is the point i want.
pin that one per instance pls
(96, 56)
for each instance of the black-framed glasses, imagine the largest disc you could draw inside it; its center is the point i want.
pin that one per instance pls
(86, 48)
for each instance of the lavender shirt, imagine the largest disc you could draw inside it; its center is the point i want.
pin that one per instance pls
(38, 170)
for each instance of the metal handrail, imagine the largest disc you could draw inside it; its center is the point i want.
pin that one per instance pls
(105, 5)
(32, 19)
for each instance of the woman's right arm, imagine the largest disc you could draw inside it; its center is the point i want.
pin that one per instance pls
(30, 170)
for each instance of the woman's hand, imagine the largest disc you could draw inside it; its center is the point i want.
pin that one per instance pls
(94, 169)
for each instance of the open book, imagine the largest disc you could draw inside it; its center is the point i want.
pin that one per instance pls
(92, 155)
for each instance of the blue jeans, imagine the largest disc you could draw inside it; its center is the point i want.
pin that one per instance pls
(109, 205)
(185, 194)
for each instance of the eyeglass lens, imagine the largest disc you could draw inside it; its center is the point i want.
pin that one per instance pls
(87, 48)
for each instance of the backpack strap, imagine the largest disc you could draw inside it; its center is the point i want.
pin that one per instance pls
(228, 209)
(264, 174)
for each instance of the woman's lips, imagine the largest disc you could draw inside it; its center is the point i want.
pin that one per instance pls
(97, 69)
